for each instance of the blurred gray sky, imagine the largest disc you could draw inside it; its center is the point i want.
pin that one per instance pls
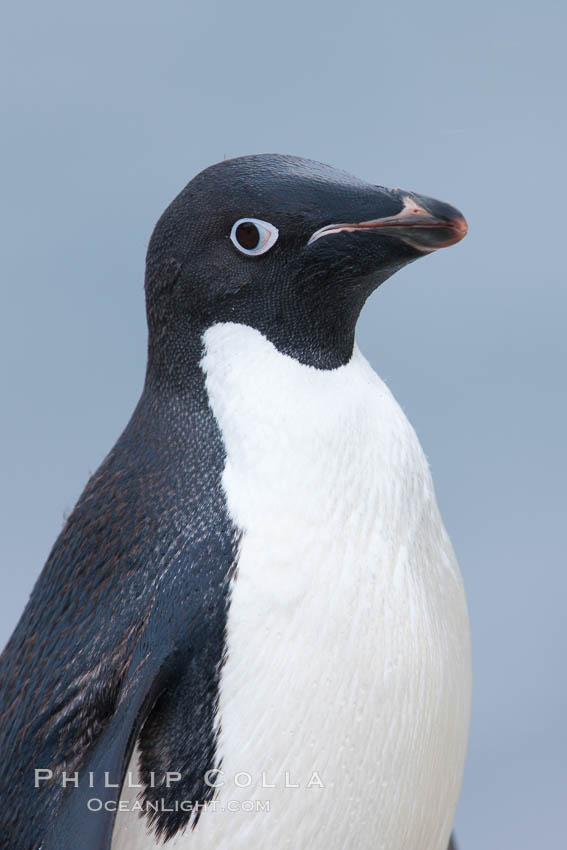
(109, 108)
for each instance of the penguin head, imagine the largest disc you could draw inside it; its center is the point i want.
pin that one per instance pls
(286, 245)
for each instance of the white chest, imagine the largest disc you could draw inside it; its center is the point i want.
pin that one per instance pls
(347, 670)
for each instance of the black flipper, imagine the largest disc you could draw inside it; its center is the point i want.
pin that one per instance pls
(104, 769)
(170, 709)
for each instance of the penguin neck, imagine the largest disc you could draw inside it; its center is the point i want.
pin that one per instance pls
(173, 360)
(323, 347)
(313, 325)
(310, 319)
(174, 357)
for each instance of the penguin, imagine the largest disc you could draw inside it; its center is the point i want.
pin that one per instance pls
(252, 630)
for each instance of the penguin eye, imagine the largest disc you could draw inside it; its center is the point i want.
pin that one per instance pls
(252, 236)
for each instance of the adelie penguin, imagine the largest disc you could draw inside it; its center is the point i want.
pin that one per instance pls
(251, 632)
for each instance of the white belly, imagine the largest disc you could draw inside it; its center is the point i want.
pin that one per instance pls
(347, 668)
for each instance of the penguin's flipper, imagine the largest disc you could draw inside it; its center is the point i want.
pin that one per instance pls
(88, 811)
(171, 685)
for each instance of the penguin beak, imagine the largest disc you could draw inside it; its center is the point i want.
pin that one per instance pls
(422, 223)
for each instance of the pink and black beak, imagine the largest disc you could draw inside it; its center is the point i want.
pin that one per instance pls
(421, 223)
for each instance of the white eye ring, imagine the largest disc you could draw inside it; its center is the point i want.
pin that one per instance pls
(244, 232)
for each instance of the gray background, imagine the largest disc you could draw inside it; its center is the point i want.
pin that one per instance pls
(109, 108)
